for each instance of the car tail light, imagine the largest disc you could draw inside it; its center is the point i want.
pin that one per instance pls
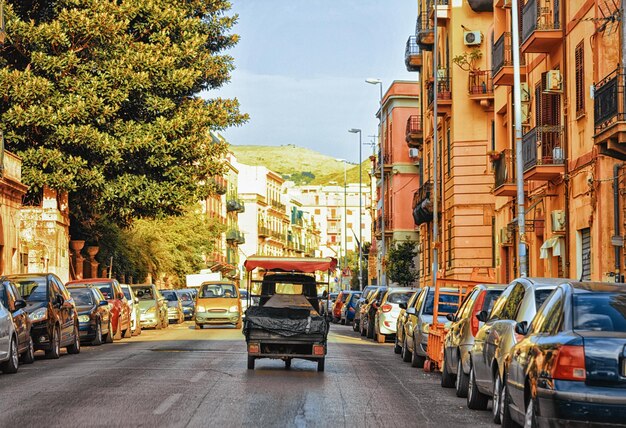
(318, 349)
(474, 323)
(569, 363)
(386, 307)
(254, 348)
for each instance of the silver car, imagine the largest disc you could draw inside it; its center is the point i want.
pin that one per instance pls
(517, 303)
(387, 313)
(463, 328)
(135, 312)
(9, 358)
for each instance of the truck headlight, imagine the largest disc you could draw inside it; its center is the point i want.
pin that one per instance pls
(234, 309)
(83, 318)
(200, 309)
(39, 314)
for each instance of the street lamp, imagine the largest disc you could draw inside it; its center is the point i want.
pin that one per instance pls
(355, 131)
(345, 213)
(373, 81)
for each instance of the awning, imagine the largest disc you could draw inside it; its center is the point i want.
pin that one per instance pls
(290, 264)
(555, 244)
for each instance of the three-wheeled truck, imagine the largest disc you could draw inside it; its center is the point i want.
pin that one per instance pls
(286, 323)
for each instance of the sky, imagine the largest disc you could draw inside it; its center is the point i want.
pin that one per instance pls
(301, 67)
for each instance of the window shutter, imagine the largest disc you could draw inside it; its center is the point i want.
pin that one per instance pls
(580, 78)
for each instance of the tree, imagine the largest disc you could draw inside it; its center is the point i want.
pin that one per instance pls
(401, 263)
(100, 98)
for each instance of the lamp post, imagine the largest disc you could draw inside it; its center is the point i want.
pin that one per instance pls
(354, 131)
(345, 214)
(372, 81)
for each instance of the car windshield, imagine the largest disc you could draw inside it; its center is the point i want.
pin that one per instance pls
(398, 298)
(600, 312)
(170, 296)
(104, 287)
(209, 291)
(32, 289)
(185, 297)
(144, 293)
(82, 296)
(447, 303)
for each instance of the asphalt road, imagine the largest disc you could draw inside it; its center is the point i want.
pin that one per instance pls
(185, 377)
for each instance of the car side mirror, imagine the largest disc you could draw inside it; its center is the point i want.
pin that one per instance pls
(451, 317)
(411, 311)
(402, 305)
(103, 303)
(20, 304)
(521, 328)
(482, 316)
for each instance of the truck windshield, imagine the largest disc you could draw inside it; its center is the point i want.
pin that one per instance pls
(285, 288)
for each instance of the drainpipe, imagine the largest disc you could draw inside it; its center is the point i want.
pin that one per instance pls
(566, 272)
(616, 220)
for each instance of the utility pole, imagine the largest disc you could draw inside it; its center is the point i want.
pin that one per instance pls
(435, 158)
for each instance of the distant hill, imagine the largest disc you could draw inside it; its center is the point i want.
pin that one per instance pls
(301, 165)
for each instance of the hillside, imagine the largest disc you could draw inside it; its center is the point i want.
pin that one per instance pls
(302, 165)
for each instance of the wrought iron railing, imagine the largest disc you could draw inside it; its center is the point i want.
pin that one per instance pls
(444, 90)
(609, 103)
(423, 204)
(414, 124)
(480, 82)
(504, 168)
(410, 53)
(542, 145)
(540, 18)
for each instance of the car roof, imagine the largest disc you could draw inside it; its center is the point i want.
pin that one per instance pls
(90, 280)
(493, 286)
(217, 283)
(538, 281)
(597, 287)
(396, 289)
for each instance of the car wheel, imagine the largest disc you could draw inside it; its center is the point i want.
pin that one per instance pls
(362, 329)
(98, 339)
(417, 360)
(55, 345)
(447, 378)
(370, 330)
(396, 348)
(476, 400)
(11, 365)
(320, 364)
(250, 363)
(74, 348)
(28, 357)
(530, 418)
(288, 363)
(496, 401)
(462, 380)
(406, 354)
(109, 336)
(505, 412)
(343, 321)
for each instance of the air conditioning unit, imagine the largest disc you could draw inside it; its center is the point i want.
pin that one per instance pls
(525, 92)
(554, 81)
(414, 153)
(525, 113)
(472, 38)
(558, 221)
(506, 236)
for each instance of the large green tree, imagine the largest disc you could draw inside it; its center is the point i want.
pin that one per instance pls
(100, 98)
(401, 263)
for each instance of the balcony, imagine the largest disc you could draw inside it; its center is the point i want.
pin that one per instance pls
(504, 173)
(480, 87)
(609, 107)
(234, 204)
(278, 206)
(423, 205)
(442, 8)
(264, 232)
(503, 62)
(386, 158)
(541, 26)
(235, 236)
(414, 134)
(379, 225)
(542, 153)
(424, 32)
(444, 95)
(413, 55)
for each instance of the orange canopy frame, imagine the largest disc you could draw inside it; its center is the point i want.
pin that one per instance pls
(291, 264)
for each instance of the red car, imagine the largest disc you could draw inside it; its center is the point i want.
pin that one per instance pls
(341, 299)
(120, 312)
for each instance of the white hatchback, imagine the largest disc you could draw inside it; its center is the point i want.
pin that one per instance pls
(9, 359)
(388, 311)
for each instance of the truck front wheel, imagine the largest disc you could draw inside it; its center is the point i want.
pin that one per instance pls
(250, 363)
(320, 364)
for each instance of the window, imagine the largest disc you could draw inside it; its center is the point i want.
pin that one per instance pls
(449, 244)
(584, 254)
(513, 303)
(579, 68)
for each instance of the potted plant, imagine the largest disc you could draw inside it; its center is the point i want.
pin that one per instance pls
(494, 155)
(468, 61)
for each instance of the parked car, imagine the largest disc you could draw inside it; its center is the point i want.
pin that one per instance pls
(12, 300)
(420, 317)
(518, 303)
(218, 303)
(463, 328)
(341, 299)
(402, 318)
(387, 313)
(51, 309)
(120, 312)
(365, 294)
(327, 303)
(133, 307)
(152, 306)
(347, 310)
(174, 307)
(188, 302)
(570, 366)
(94, 315)
(9, 357)
(368, 312)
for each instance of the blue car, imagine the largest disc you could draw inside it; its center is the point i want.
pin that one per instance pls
(348, 310)
(570, 368)
(188, 301)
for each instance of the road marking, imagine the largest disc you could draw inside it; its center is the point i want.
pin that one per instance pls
(197, 377)
(167, 403)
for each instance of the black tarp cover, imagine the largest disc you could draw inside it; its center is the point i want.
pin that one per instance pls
(287, 321)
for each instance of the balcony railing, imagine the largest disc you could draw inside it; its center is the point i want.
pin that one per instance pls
(235, 235)
(414, 136)
(278, 205)
(388, 224)
(234, 204)
(422, 204)
(444, 90)
(504, 168)
(609, 104)
(413, 55)
(542, 145)
(480, 83)
(264, 231)
(540, 18)
(424, 30)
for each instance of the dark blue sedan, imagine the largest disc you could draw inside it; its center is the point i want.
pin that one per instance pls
(570, 368)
